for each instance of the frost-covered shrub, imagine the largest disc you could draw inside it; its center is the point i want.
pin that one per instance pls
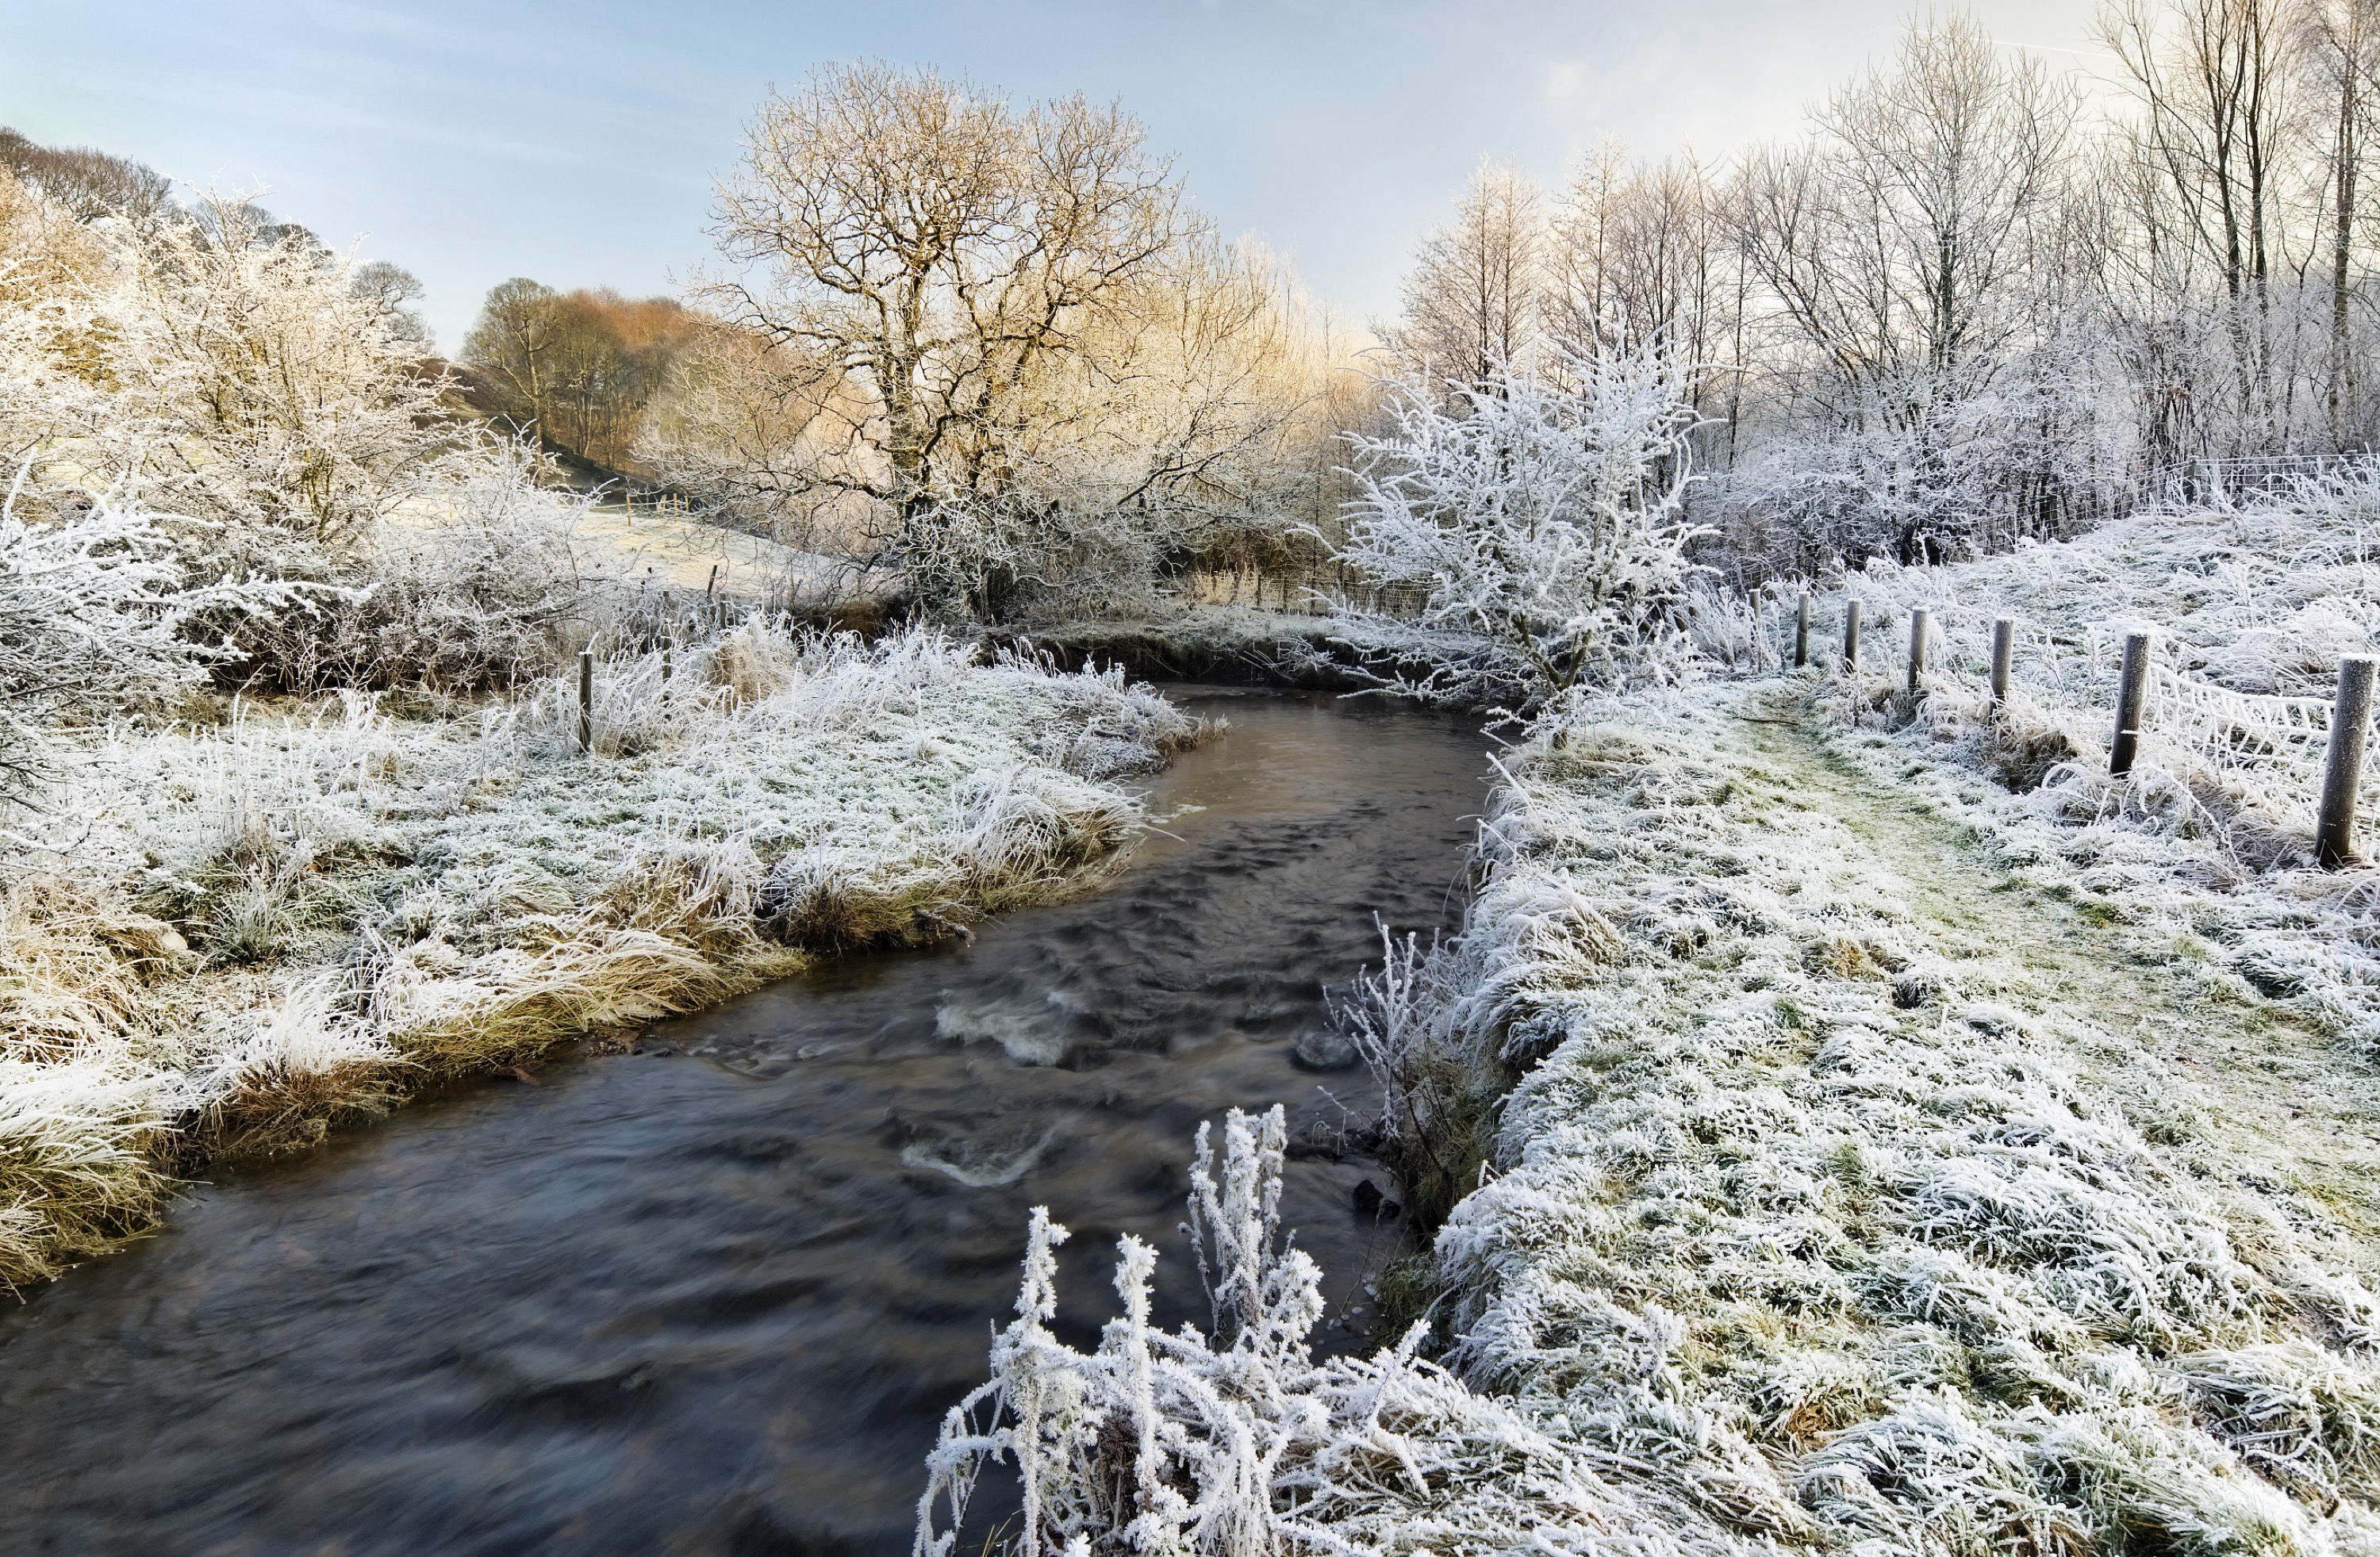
(89, 609)
(95, 617)
(1541, 527)
(226, 366)
(1438, 1086)
(474, 587)
(226, 378)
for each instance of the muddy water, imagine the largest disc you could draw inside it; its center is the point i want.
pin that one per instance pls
(713, 1295)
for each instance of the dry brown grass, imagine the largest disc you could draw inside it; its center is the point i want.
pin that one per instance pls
(81, 1138)
(74, 965)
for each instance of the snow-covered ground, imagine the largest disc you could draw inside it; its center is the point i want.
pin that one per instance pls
(230, 936)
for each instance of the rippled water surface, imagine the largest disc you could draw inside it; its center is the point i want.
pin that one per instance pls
(712, 1296)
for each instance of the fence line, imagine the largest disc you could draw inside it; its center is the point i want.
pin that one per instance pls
(2271, 750)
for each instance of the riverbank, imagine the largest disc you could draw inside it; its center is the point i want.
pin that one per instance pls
(1876, 1180)
(1866, 1188)
(1236, 645)
(236, 936)
(711, 1293)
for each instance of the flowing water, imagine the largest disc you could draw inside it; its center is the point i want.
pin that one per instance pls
(713, 1295)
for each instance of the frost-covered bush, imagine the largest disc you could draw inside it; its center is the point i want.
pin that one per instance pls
(95, 617)
(272, 417)
(474, 586)
(1542, 528)
(1438, 1086)
(226, 368)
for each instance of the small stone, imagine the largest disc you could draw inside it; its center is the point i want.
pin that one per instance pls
(1323, 1051)
(1370, 1202)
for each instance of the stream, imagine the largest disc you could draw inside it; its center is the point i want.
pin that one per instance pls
(713, 1295)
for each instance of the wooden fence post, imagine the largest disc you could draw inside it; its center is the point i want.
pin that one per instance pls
(2003, 658)
(1801, 632)
(1850, 637)
(2132, 696)
(1921, 623)
(586, 700)
(2342, 766)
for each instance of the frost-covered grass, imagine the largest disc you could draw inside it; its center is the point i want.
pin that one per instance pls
(2210, 837)
(231, 936)
(1809, 1222)
(1833, 1230)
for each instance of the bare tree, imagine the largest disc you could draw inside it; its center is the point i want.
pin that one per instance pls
(1904, 233)
(1902, 252)
(917, 252)
(392, 290)
(2339, 49)
(1473, 302)
(1641, 256)
(511, 346)
(581, 367)
(1583, 300)
(2213, 81)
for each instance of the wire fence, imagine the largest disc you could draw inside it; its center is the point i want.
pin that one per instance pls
(2266, 750)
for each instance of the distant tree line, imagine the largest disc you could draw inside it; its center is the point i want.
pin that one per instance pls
(576, 368)
(1964, 307)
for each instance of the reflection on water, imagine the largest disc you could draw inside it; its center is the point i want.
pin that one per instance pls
(712, 1296)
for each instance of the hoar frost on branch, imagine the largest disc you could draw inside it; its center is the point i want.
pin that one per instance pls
(232, 369)
(93, 612)
(1542, 525)
(263, 404)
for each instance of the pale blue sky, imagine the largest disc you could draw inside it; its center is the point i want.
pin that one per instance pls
(577, 143)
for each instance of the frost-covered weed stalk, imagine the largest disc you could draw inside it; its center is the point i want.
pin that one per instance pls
(1241, 1444)
(2211, 837)
(230, 937)
(1539, 527)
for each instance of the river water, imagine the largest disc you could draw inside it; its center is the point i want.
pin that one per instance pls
(712, 1296)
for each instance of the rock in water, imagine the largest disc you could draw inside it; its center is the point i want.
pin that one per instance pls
(1323, 1051)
